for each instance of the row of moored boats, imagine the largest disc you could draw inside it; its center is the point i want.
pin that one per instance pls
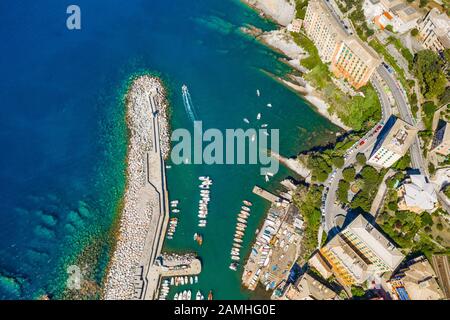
(241, 225)
(204, 186)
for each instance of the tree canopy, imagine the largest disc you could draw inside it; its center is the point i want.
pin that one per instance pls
(429, 72)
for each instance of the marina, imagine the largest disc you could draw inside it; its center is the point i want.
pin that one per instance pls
(241, 225)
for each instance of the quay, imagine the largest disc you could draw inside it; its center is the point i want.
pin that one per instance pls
(138, 265)
(266, 194)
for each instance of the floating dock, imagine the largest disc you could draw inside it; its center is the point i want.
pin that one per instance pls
(266, 194)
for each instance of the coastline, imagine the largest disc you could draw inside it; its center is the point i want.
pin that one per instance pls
(138, 206)
(281, 41)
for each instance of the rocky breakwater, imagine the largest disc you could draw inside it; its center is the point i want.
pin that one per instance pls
(139, 207)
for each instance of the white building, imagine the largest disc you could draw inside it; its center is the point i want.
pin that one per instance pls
(401, 16)
(434, 30)
(417, 195)
(392, 143)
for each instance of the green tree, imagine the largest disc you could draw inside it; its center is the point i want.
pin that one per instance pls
(342, 191)
(423, 3)
(414, 32)
(349, 174)
(428, 70)
(357, 291)
(426, 219)
(361, 158)
(403, 163)
(338, 162)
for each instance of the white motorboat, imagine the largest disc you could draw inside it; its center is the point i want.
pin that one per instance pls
(269, 105)
(258, 93)
(258, 116)
(246, 120)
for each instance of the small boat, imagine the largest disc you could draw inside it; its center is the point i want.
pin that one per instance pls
(269, 105)
(168, 167)
(253, 137)
(202, 225)
(258, 93)
(264, 125)
(242, 225)
(266, 177)
(189, 294)
(196, 279)
(210, 295)
(237, 240)
(199, 241)
(238, 236)
(233, 266)
(191, 280)
(174, 202)
(244, 212)
(172, 281)
(175, 210)
(240, 228)
(240, 232)
(247, 203)
(175, 297)
(203, 178)
(186, 279)
(202, 221)
(237, 245)
(245, 208)
(246, 120)
(198, 296)
(184, 296)
(258, 116)
(204, 186)
(235, 258)
(242, 220)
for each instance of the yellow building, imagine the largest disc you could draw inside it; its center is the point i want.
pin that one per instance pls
(360, 251)
(350, 58)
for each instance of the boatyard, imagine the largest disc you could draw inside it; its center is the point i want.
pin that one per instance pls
(276, 247)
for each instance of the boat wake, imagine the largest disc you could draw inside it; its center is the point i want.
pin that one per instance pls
(188, 105)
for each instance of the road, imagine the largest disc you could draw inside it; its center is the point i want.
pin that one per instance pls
(330, 210)
(401, 100)
(441, 266)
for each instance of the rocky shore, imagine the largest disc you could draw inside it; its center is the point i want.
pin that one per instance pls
(136, 216)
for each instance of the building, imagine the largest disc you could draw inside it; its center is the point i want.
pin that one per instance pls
(434, 31)
(350, 58)
(397, 13)
(320, 264)
(441, 139)
(392, 143)
(418, 195)
(309, 288)
(360, 251)
(324, 28)
(405, 17)
(295, 25)
(416, 281)
(354, 61)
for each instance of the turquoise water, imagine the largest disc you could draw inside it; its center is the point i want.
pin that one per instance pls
(64, 139)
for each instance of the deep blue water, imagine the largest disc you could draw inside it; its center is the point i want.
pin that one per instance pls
(63, 133)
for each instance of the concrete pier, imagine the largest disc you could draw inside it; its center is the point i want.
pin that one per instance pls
(266, 194)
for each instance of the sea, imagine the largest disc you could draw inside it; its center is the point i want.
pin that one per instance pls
(64, 138)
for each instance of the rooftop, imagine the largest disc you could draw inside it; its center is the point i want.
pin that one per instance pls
(377, 242)
(420, 193)
(397, 136)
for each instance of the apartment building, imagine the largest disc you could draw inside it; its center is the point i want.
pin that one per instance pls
(360, 251)
(323, 28)
(350, 58)
(441, 139)
(392, 143)
(354, 61)
(434, 30)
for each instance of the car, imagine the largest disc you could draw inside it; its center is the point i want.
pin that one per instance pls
(362, 142)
